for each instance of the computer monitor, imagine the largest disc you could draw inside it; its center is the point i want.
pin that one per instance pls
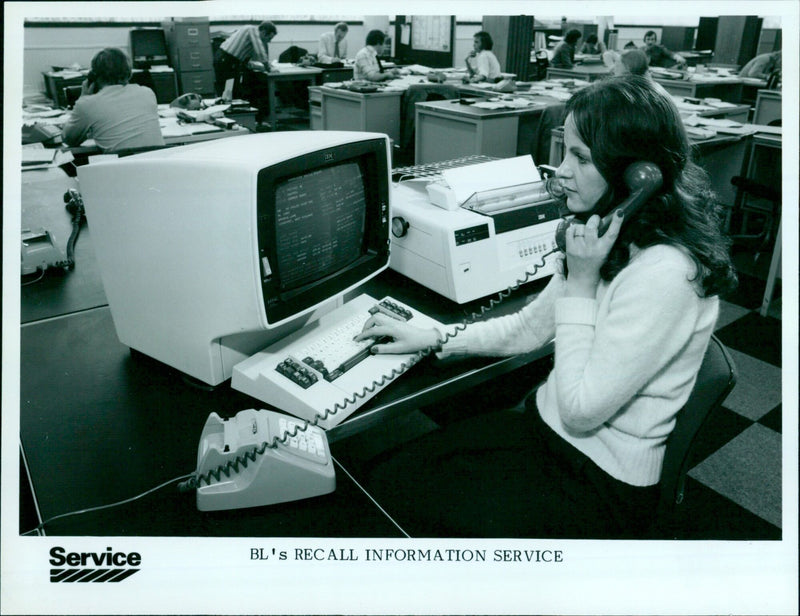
(148, 47)
(209, 252)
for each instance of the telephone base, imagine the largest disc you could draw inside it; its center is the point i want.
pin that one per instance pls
(240, 463)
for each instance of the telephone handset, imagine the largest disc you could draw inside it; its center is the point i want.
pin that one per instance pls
(642, 178)
(91, 83)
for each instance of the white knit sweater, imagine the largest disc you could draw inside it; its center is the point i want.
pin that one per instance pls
(625, 362)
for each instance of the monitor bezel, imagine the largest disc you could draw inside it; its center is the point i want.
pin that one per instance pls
(371, 154)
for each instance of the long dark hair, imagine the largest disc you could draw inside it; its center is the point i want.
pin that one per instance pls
(629, 118)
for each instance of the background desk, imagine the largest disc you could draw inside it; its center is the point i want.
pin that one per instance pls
(283, 74)
(448, 129)
(164, 82)
(589, 72)
(361, 111)
(728, 89)
(768, 106)
(99, 423)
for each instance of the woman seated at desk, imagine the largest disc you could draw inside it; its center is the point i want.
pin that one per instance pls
(631, 313)
(113, 112)
(482, 64)
(564, 53)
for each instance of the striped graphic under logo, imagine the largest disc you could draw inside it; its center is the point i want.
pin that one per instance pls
(90, 575)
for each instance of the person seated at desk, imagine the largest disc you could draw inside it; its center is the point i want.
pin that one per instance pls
(332, 45)
(243, 57)
(367, 65)
(116, 114)
(762, 66)
(482, 64)
(631, 313)
(564, 53)
(592, 46)
(631, 61)
(660, 56)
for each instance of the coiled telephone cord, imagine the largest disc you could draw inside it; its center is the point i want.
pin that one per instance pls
(241, 461)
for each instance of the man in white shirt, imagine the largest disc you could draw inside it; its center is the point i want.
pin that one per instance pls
(332, 45)
(367, 65)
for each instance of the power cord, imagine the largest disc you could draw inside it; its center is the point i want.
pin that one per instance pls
(42, 524)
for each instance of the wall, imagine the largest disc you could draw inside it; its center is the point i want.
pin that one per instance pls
(45, 47)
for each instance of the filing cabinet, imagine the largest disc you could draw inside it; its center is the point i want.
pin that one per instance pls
(189, 43)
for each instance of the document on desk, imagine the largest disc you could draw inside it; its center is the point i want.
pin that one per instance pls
(466, 181)
(514, 103)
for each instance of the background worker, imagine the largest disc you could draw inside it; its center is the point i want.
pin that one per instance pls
(332, 45)
(593, 46)
(660, 56)
(113, 112)
(482, 64)
(564, 53)
(762, 65)
(367, 64)
(242, 57)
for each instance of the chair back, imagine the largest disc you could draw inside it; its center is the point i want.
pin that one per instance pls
(715, 380)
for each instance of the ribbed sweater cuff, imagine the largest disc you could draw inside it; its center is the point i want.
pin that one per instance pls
(576, 311)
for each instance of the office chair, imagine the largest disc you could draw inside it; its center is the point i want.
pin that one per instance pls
(753, 197)
(715, 380)
(551, 117)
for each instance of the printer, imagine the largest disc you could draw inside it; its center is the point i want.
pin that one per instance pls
(492, 241)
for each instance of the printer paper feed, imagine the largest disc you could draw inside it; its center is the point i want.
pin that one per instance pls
(466, 181)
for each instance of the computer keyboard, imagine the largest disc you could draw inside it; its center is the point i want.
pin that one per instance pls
(433, 171)
(320, 366)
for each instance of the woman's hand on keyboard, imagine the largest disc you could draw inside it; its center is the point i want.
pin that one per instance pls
(405, 338)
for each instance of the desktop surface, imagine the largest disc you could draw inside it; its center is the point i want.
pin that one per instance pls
(115, 423)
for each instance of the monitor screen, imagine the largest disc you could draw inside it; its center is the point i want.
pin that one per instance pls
(148, 43)
(319, 223)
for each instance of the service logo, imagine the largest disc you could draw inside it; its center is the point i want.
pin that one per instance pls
(108, 566)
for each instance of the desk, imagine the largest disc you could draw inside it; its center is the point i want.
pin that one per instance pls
(448, 129)
(99, 423)
(693, 58)
(286, 73)
(171, 139)
(124, 423)
(361, 111)
(58, 292)
(768, 106)
(727, 88)
(590, 72)
(764, 159)
(334, 75)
